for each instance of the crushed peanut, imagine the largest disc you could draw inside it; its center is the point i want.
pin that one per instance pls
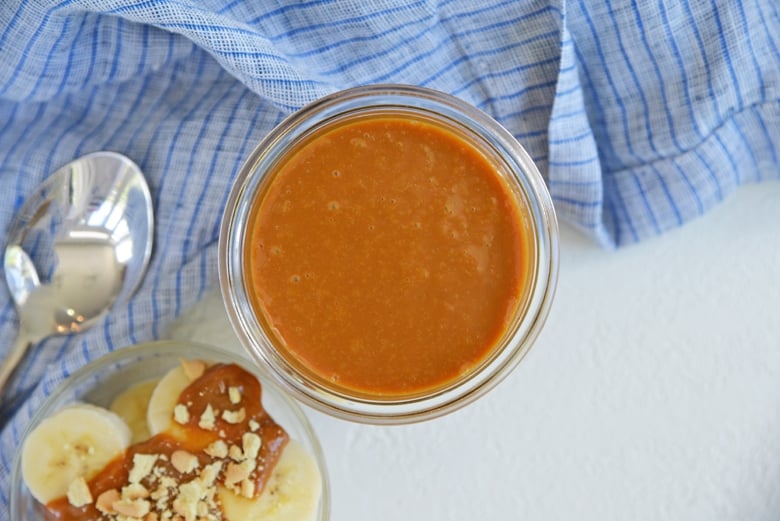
(142, 466)
(166, 483)
(217, 449)
(186, 502)
(132, 507)
(207, 419)
(236, 454)
(105, 501)
(237, 472)
(135, 491)
(181, 414)
(78, 492)
(248, 488)
(252, 443)
(210, 473)
(235, 395)
(253, 425)
(183, 461)
(234, 416)
(194, 369)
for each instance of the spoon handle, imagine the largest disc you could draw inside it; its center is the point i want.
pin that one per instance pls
(23, 341)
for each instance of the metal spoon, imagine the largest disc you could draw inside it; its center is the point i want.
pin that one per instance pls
(87, 232)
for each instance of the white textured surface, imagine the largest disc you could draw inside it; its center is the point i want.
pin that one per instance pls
(653, 393)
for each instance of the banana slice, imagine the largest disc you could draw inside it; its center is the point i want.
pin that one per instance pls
(75, 442)
(292, 493)
(132, 405)
(159, 414)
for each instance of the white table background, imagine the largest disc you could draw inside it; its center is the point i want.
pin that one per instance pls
(652, 393)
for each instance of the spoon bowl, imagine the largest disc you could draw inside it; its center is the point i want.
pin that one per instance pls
(80, 244)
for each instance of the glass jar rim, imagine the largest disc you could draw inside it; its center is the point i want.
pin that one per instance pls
(359, 101)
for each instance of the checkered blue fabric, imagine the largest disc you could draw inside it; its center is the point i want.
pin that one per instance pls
(641, 114)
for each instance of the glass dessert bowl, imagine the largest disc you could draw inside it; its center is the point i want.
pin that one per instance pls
(138, 396)
(388, 254)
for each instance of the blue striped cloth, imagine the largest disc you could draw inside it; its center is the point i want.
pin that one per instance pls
(641, 114)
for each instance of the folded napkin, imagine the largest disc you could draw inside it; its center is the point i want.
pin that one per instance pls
(640, 114)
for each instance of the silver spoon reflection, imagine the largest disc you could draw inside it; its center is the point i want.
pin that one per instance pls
(80, 244)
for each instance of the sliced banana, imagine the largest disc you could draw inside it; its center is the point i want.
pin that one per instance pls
(77, 442)
(132, 405)
(292, 493)
(159, 414)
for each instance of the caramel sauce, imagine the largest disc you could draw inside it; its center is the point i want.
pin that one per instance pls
(210, 389)
(387, 257)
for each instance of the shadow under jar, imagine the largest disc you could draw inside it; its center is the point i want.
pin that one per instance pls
(388, 253)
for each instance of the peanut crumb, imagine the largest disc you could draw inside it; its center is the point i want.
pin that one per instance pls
(78, 492)
(181, 414)
(252, 443)
(207, 419)
(234, 416)
(248, 488)
(235, 395)
(162, 493)
(235, 453)
(131, 507)
(142, 466)
(106, 500)
(237, 472)
(194, 369)
(184, 461)
(210, 472)
(217, 449)
(186, 503)
(253, 425)
(135, 491)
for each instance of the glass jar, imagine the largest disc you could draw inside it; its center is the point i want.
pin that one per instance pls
(473, 128)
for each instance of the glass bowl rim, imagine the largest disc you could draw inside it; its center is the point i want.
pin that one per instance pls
(168, 347)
